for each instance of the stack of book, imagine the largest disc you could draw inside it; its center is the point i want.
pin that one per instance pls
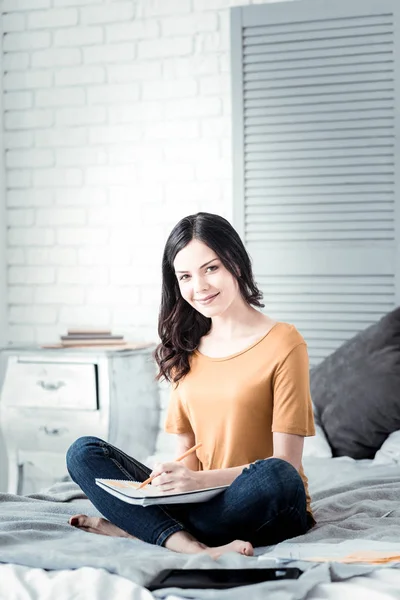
(91, 337)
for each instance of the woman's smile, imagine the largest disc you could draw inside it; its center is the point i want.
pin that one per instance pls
(208, 299)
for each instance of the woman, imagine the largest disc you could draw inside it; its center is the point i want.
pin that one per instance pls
(240, 385)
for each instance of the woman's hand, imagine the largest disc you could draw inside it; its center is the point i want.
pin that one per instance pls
(175, 477)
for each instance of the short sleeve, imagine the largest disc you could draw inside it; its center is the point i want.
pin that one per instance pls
(292, 405)
(177, 420)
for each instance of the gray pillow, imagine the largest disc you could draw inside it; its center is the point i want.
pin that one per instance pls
(356, 390)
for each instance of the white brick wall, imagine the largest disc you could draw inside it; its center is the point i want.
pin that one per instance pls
(4, 258)
(116, 124)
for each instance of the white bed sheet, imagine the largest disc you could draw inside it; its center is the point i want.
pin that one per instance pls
(24, 583)
(383, 584)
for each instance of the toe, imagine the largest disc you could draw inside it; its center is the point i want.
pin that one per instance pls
(77, 520)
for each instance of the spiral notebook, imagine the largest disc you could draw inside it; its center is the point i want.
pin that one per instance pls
(126, 490)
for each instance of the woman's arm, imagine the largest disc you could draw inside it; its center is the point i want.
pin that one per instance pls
(287, 446)
(185, 441)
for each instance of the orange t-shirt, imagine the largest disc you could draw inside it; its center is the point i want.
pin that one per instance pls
(234, 404)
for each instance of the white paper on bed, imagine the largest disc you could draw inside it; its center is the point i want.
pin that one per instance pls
(288, 551)
(128, 491)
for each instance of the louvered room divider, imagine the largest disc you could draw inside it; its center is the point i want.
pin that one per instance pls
(315, 88)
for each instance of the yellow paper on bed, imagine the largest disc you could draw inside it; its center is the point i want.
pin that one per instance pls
(368, 556)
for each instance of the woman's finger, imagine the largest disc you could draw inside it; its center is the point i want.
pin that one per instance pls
(166, 488)
(162, 480)
(166, 467)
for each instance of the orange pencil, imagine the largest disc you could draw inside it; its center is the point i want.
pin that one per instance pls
(184, 455)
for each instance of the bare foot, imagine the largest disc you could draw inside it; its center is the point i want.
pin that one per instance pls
(183, 541)
(97, 525)
(236, 546)
(178, 542)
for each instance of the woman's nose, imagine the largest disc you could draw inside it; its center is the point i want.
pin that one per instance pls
(199, 284)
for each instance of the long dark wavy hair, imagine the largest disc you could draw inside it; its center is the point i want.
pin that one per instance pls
(180, 326)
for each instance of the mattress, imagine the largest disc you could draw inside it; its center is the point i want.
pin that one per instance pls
(355, 504)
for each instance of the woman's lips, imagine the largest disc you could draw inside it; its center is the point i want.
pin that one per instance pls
(208, 300)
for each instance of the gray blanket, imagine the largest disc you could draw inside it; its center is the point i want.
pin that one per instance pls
(352, 502)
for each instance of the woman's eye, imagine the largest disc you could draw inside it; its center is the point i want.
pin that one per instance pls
(212, 267)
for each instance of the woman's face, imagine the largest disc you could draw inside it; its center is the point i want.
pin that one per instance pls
(203, 280)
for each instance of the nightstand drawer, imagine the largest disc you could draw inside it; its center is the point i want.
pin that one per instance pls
(52, 433)
(50, 385)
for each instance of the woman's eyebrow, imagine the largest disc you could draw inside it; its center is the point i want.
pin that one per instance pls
(202, 266)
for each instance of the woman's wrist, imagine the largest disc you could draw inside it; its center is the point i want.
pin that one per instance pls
(202, 480)
(216, 477)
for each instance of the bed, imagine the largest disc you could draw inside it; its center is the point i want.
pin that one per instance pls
(355, 502)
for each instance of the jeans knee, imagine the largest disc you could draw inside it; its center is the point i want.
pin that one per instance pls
(292, 483)
(79, 450)
(282, 477)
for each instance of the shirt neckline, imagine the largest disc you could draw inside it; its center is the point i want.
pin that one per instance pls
(222, 358)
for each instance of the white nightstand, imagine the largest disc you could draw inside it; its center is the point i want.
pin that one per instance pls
(49, 398)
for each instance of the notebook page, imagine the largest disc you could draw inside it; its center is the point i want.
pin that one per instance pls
(130, 488)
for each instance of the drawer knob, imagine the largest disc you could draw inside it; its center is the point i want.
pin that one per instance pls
(55, 431)
(50, 386)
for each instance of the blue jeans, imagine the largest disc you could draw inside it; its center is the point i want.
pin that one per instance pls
(264, 505)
